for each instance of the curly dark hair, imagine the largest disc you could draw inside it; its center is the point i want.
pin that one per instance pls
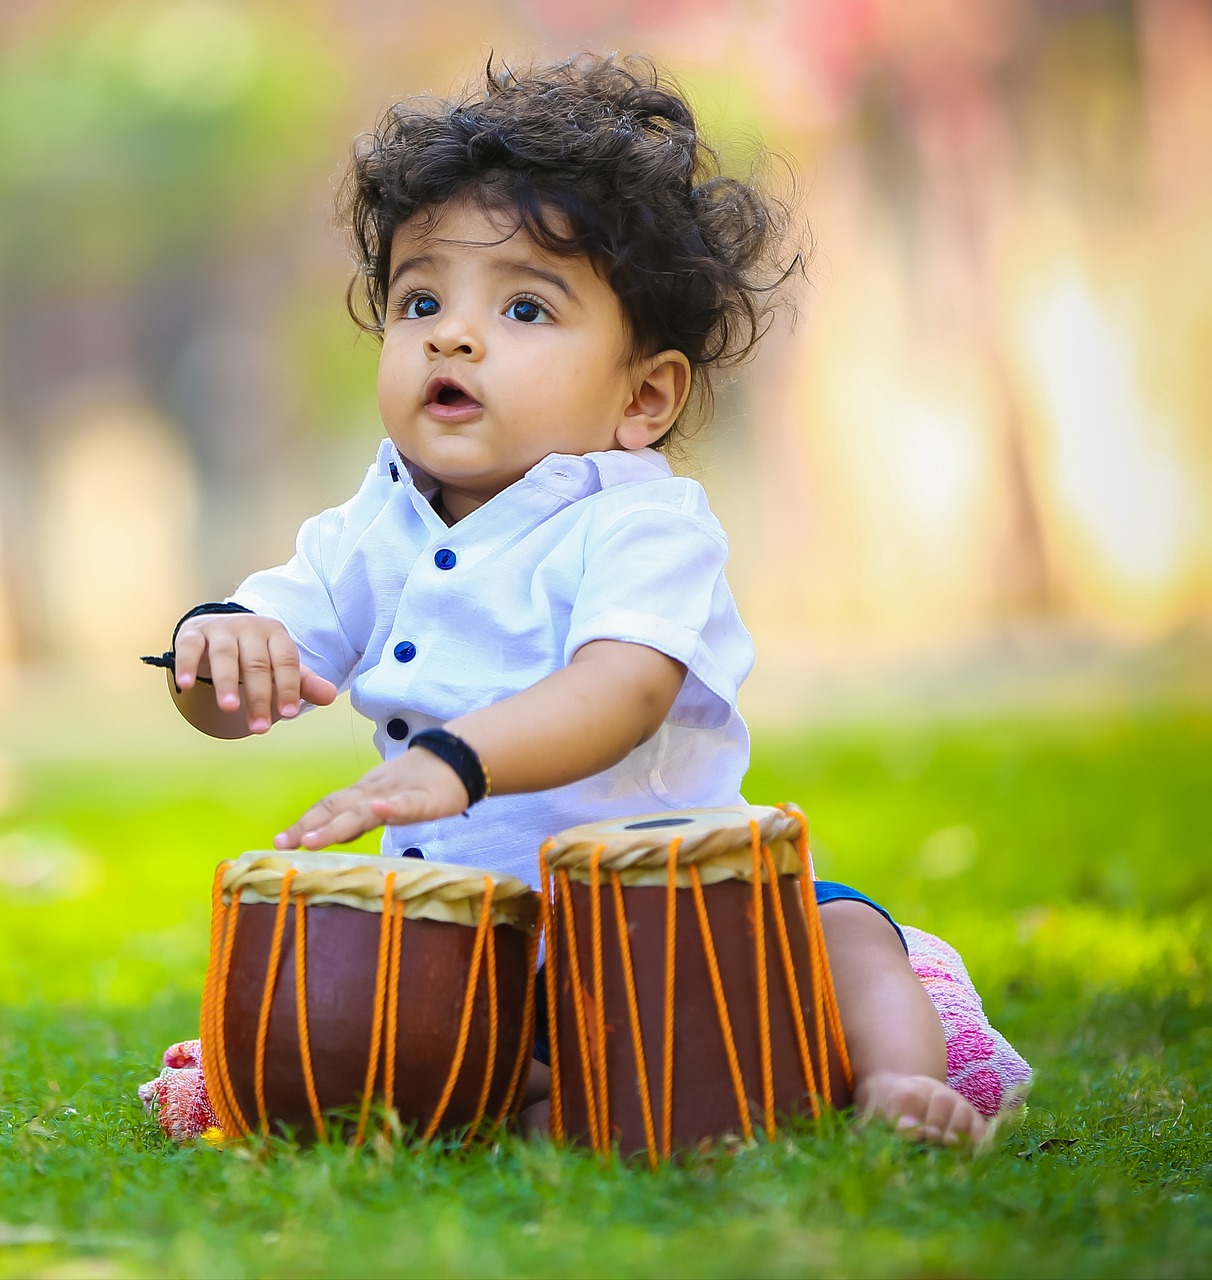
(598, 156)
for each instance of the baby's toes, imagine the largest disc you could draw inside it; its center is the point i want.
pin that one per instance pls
(938, 1117)
(951, 1120)
(967, 1125)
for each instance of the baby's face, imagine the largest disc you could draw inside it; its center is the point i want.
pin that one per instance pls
(495, 354)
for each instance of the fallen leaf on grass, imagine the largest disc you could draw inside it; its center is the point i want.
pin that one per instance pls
(1042, 1148)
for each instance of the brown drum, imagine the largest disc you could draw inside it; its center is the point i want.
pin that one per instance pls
(337, 980)
(688, 987)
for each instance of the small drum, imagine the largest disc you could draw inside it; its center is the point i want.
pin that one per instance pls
(688, 988)
(336, 979)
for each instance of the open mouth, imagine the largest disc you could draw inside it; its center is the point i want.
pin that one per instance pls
(453, 397)
(444, 394)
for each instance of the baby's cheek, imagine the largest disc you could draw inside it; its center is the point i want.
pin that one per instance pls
(393, 374)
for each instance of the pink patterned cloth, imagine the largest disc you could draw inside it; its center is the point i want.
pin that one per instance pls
(177, 1097)
(981, 1065)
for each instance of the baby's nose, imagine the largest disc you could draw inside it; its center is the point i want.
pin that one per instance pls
(452, 336)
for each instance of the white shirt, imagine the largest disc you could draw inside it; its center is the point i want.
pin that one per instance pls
(424, 622)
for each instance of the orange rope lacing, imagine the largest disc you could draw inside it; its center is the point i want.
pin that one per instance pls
(473, 979)
(671, 928)
(633, 1012)
(578, 1004)
(214, 1055)
(824, 996)
(599, 994)
(376, 1017)
(818, 987)
(393, 1010)
(547, 907)
(206, 1031)
(526, 1048)
(513, 1093)
(832, 1012)
(490, 1062)
(309, 1079)
(763, 985)
(721, 1005)
(267, 999)
(793, 989)
(229, 947)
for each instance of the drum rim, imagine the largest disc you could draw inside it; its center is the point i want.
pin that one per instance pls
(427, 889)
(648, 848)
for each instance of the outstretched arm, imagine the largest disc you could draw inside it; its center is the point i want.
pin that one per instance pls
(577, 722)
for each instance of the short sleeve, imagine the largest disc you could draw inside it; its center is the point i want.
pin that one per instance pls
(654, 575)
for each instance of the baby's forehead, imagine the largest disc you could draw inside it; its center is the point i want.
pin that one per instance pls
(464, 225)
(461, 232)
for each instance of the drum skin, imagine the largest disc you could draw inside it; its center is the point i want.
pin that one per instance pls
(342, 945)
(704, 1100)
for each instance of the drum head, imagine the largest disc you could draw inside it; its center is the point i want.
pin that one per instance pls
(718, 841)
(428, 890)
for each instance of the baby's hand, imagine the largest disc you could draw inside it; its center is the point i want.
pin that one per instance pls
(256, 655)
(413, 787)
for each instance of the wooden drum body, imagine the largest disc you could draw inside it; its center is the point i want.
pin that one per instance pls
(338, 980)
(688, 985)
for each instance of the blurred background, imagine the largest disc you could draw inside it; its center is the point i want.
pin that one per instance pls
(975, 472)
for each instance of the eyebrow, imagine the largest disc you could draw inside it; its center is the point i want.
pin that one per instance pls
(552, 277)
(502, 268)
(417, 260)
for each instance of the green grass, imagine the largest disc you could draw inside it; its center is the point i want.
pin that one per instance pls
(1070, 862)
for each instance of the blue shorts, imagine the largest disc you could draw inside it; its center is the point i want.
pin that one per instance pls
(832, 891)
(826, 891)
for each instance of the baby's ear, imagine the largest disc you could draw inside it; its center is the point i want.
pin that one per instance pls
(661, 387)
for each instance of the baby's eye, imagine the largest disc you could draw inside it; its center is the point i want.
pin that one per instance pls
(419, 306)
(528, 311)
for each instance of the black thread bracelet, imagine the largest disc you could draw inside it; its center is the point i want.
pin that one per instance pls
(452, 750)
(168, 659)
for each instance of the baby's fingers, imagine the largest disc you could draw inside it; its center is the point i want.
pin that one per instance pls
(257, 676)
(188, 652)
(223, 653)
(283, 656)
(318, 691)
(338, 818)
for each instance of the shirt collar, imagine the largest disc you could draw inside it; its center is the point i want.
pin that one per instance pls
(417, 484)
(571, 476)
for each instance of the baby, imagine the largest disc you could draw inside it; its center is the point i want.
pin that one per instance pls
(523, 599)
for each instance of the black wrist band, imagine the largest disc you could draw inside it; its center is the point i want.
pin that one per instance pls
(168, 659)
(462, 759)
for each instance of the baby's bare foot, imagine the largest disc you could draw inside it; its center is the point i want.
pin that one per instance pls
(920, 1107)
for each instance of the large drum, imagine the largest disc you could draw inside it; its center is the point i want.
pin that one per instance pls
(339, 981)
(688, 987)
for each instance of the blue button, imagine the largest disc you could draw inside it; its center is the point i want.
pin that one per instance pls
(412, 852)
(445, 559)
(405, 651)
(397, 729)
